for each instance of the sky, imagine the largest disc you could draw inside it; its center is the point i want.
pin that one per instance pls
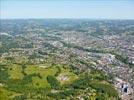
(93, 9)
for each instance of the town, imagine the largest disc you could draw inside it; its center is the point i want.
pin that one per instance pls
(98, 51)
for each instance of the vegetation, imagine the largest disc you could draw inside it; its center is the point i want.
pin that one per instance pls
(23, 81)
(53, 82)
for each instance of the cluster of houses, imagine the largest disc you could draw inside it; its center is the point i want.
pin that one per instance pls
(123, 81)
(124, 88)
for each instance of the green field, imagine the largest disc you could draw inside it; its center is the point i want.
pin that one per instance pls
(46, 81)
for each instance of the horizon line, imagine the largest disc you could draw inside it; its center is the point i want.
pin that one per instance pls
(70, 18)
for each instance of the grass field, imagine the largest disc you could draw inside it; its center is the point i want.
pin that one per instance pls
(43, 72)
(15, 72)
(31, 81)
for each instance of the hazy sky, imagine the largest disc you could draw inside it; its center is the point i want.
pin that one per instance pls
(109, 9)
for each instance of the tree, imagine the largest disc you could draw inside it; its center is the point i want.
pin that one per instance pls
(54, 83)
